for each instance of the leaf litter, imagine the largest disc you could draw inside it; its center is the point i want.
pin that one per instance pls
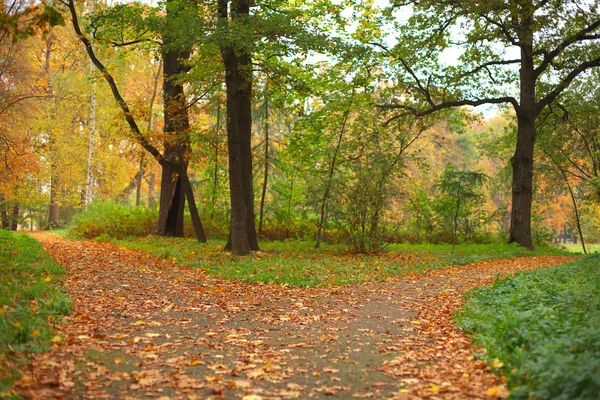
(145, 328)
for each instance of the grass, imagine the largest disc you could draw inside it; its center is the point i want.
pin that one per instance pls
(31, 303)
(298, 263)
(576, 248)
(544, 329)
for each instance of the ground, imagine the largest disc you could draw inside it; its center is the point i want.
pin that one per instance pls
(145, 328)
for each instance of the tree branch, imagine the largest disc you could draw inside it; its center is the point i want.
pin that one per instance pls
(449, 104)
(550, 97)
(577, 37)
(115, 90)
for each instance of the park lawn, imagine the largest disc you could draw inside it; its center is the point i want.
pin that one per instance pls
(32, 302)
(576, 248)
(298, 263)
(542, 330)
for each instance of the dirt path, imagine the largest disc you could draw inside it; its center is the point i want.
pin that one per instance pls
(143, 328)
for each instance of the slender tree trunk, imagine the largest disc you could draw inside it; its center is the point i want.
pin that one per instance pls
(266, 169)
(522, 160)
(332, 165)
(140, 177)
(89, 181)
(216, 162)
(54, 210)
(455, 221)
(238, 80)
(142, 165)
(151, 185)
(573, 200)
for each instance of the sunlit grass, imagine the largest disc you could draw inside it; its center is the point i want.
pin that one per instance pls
(577, 248)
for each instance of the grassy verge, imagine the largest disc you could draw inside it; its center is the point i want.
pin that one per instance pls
(298, 263)
(31, 302)
(544, 328)
(576, 248)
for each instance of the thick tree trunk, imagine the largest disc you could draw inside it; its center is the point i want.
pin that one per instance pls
(175, 183)
(4, 214)
(238, 80)
(522, 161)
(15, 218)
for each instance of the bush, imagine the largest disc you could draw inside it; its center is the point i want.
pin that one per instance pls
(112, 220)
(31, 301)
(544, 327)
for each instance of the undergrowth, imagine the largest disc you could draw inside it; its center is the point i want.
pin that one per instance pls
(31, 303)
(108, 220)
(544, 327)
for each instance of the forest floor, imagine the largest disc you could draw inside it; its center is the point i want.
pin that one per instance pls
(145, 328)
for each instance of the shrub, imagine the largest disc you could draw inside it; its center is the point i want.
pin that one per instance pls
(112, 220)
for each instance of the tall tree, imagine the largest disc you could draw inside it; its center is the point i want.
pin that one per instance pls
(236, 54)
(524, 53)
(170, 161)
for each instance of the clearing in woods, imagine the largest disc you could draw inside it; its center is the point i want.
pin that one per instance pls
(144, 328)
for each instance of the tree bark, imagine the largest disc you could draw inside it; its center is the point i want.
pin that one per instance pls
(522, 160)
(238, 80)
(175, 183)
(4, 214)
(15, 218)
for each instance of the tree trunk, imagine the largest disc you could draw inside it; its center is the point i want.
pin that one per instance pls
(151, 184)
(89, 181)
(323, 214)
(216, 162)
(4, 214)
(140, 177)
(238, 80)
(54, 210)
(174, 183)
(522, 161)
(266, 169)
(15, 218)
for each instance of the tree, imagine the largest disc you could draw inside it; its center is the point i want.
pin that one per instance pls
(458, 189)
(556, 42)
(174, 160)
(236, 54)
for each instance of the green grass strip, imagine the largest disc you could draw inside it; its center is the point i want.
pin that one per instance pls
(544, 327)
(31, 302)
(298, 263)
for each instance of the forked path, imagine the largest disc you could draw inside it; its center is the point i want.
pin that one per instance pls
(144, 328)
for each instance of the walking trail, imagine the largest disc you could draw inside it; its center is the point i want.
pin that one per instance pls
(144, 328)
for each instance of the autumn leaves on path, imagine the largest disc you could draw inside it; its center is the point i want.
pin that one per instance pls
(144, 328)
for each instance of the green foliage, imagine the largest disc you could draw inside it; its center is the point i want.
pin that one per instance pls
(544, 326)
(460, 197)
(31, 302)
(112, 220)
(298, 263)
